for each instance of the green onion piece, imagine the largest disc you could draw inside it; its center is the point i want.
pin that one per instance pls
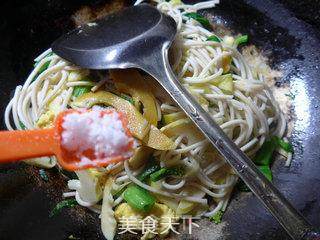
(43, 175)
(79, 90)
(126, 97)
(148, 171)
(42, 69)
(176, 171)
(63, 204)
(164, 172)
(139, 198)
(217, 218)
(151, 167)
(203, 21)
(214, 38)
(241, 40)
(284, 145)
(266, 172)
(264, 155)
(23, 127)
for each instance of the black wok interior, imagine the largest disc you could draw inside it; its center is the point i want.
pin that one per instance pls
(287, 31)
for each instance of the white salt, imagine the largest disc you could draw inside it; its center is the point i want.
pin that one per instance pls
(92, 130)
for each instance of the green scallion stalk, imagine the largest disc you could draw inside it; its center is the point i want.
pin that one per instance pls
(176, 171)
(284, 145)
(241, 40)
(126, 97)
(139, 198)
(156, 176)
(214, 38)
(264, 155)
(63, 204)
(217, 218)
(202, 20)
(23, 127)
(164, 172)
(151, 167)
(266, 172)
(42, 69)
(80, 90)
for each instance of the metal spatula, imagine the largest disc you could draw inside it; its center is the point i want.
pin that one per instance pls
(140, 37)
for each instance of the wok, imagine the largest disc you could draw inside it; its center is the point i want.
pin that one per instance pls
(286, 33)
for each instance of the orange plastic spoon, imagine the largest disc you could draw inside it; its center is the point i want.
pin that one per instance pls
(23, 144)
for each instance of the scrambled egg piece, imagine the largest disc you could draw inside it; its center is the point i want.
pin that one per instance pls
(46, 120)
(161, 212)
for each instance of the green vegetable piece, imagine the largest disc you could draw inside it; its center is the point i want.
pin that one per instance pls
(284, 145)
(266, 172)
(163, 172)
(264, 155)
(23, 127)
(139, 198)
(176, 171)
(203, 21)
(126, 97)
(241, 40)
(43, 175)
(42, 69)
(217, 218)
(63, 204)
(80, 90)
(214, 38)
(151, 167)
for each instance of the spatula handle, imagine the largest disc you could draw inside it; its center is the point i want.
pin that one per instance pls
(19, 145)
(291, 220)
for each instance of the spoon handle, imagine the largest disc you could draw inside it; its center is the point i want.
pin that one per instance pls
(19, 145)
(291, 220)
